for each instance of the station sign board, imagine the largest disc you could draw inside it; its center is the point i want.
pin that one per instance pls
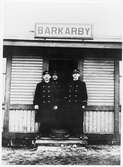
(75, 31)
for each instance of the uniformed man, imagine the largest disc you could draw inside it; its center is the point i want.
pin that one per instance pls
(76, 98)
(58, 100)
(43, 99)
(57, 89)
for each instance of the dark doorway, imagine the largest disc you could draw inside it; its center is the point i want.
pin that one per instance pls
(64, 68)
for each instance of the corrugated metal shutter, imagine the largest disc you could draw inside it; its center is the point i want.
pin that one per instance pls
(26, 73)
(99, 77)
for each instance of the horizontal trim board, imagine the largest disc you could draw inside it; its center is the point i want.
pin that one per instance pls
(81, 44)
(93, 138)
(89, 108)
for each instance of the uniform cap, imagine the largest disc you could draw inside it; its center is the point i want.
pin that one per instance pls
(55, 73)
(76, 71)
(46, 72)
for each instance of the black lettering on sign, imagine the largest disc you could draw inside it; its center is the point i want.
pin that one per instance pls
(87, 30)
(67, 31)
(81, 31)
(60, 30)
(40, 30)
(74, 31)
(53, 30)
(47, 31)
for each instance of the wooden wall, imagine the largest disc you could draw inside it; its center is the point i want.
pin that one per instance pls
(26, 73)
(97, 122)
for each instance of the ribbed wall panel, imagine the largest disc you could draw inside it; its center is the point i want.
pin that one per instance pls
(22, 121)
(99, 78)
(99, 122)
(26, 73)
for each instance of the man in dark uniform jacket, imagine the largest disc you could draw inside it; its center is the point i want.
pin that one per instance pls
(43, 99)
(76, 99)
(58, 96)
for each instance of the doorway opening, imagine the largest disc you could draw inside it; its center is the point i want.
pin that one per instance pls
(64, 68)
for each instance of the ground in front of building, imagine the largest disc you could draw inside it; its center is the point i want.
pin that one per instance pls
(63, 155)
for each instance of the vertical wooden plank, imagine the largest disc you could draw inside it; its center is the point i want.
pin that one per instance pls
(86, 121)
(94, 123)
(116, 99)
(112, 122)
(7, 93)
(97, 122)
(10, 122)
(90, 122)
(16, 120)
(109, 122)
(105, 122)
(13, 119)
(19, 120)
(33, 120)
(28, 121)
(25, 121)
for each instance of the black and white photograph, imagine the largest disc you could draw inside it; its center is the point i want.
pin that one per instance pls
(61, 82)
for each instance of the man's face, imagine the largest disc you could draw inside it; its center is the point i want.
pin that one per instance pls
(55, 77)
(46, 78)
(76, 76)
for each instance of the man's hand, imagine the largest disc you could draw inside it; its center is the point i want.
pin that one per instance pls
(55, 107)
(36, 107)
(83, 107)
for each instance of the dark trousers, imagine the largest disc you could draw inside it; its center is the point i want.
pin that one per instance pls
(73, 118)
(49, 118)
